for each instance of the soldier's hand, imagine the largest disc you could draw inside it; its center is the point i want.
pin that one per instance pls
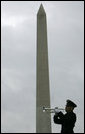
(57, 111)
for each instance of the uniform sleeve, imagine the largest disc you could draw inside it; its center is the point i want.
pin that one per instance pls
(58, 119)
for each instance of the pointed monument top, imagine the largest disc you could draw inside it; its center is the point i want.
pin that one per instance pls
(41, 10)
(41, 6)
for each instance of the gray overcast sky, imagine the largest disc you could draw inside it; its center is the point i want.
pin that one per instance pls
(65, 24)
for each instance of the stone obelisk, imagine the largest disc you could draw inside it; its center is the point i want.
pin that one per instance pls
(43, 120)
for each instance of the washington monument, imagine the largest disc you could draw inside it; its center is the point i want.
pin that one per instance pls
(43, 120)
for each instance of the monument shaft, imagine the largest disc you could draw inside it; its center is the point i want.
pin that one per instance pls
(43, 120)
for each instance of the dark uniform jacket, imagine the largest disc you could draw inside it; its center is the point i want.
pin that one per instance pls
(66, 120)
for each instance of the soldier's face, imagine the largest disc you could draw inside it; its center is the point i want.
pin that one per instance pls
(68, 108)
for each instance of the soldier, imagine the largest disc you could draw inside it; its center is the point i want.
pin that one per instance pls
(66, 120)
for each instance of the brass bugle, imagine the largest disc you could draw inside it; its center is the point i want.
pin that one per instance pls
(51, 110)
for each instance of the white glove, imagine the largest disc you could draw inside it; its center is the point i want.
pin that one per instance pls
(57, 110)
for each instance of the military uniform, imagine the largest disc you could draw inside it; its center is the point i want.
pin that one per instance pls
(66, 120)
